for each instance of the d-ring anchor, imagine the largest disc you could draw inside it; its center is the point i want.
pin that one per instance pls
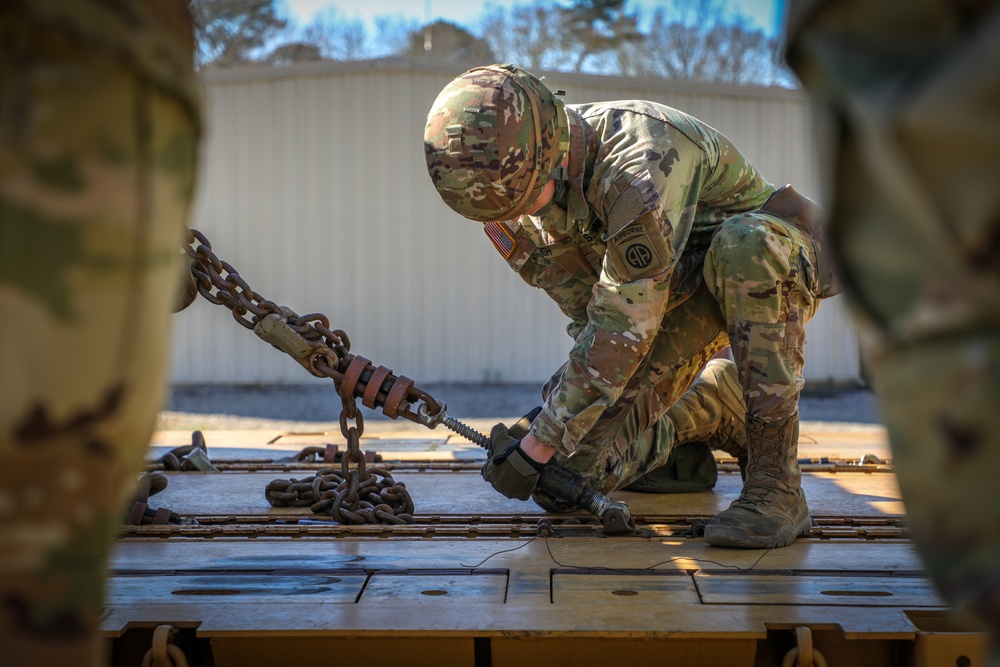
(803, 655)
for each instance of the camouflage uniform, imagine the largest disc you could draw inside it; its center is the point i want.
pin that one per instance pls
(655, 246)
(657, 268)
(911, 100)
(99, 125)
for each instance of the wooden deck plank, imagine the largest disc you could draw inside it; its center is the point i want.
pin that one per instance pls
(417, 443)
(452, 586)
(464, 492)
(333, 555)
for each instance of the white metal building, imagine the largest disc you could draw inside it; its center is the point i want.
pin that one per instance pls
(314, 187)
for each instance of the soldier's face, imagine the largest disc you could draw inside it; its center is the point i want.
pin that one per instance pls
(543, 199)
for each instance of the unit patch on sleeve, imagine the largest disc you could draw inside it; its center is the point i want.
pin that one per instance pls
(634, 253)
(501, 238)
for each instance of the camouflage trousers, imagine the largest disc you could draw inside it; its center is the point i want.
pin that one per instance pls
(916, 162)
(96, 174)
(756, 292)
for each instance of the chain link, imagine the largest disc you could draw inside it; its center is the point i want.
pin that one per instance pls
(353, 495)
(348, 495)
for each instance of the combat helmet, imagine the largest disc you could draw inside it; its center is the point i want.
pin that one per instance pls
(494, 137)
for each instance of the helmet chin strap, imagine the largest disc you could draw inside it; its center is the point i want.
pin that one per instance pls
(561, 172)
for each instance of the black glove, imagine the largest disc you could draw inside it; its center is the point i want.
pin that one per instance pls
(521, 426)
(509, 470)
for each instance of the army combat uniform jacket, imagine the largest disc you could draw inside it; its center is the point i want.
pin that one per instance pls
(623, 246)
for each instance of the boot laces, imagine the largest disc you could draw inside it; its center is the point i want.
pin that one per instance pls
(763, 485)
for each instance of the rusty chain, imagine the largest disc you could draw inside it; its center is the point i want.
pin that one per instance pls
(141, 513)
(353, 495)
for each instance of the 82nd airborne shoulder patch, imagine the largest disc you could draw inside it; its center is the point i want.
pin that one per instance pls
(635, 253)
(501, 237)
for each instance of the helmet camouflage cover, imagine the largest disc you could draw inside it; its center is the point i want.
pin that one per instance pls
(494, 137)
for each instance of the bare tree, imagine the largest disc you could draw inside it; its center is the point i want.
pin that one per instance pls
(701, 40)
(527, 35)
(337, 37)
(745, 56)
(595, 27)
(231, 32)
(294, 52)
(684, 40)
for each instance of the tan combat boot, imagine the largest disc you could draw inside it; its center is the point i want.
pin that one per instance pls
(712, 411)
(771, 510)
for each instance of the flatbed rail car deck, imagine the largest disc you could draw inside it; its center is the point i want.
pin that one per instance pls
(482, 580)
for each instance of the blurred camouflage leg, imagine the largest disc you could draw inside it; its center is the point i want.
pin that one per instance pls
(97, 156)
(909, 96)
(761, 270)
(945, 439)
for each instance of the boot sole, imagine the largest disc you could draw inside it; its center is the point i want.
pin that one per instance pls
(737, 538)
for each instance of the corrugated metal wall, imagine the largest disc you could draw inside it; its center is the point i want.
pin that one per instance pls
(314, 188)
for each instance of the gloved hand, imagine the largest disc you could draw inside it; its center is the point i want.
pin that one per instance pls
(509, 470)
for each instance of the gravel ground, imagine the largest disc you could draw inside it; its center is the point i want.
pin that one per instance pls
(317, 407)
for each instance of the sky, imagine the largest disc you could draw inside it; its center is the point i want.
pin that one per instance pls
(764, 14)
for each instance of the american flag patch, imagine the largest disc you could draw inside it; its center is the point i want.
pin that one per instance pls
(501, 238)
